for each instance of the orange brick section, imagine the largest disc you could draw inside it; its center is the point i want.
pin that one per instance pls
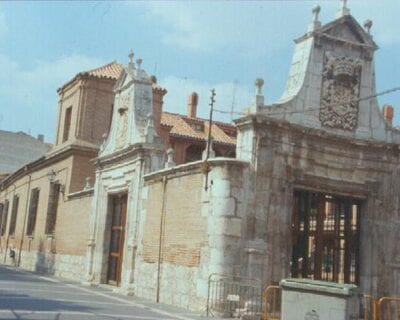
(185, 231)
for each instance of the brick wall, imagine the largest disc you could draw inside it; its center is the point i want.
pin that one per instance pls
(91, 100)
(185, 230)
(71, 227)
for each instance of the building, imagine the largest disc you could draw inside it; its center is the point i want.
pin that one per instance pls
(18, 149)
(312, 192)
(41, 200)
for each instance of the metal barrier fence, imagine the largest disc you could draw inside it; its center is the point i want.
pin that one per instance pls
(385, 308)
(272, 303)
(233, 296)
(368, 307)
(388, 308)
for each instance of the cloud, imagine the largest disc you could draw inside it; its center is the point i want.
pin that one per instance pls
(3, 23)
(227, 94)
(384, 14)
(207, 27)
(257, 28)
(33, 91)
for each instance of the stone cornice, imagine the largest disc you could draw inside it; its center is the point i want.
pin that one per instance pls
(134, 151)
(259, 120)
(193, 168)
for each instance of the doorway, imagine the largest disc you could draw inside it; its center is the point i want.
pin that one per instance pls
(325, 233)
(118, 204)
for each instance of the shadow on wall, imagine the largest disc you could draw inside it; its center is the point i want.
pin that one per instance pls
(44, 260)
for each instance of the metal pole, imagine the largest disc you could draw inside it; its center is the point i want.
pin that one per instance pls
(211, 104)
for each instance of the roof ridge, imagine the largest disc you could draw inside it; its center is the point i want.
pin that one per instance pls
(102, 67)
(200, 119)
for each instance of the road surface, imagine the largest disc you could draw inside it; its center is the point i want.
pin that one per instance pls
(26, 295)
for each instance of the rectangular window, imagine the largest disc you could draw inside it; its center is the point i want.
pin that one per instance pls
(52, 207)
(67, 123)
(4, 218)
(33, 206)
(14, 214)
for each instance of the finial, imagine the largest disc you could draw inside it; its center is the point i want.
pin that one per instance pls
(343, 11)
(259, 84)
(131, 64)
(170, 158)
(315, 24)
(139, 62)
(368, 25)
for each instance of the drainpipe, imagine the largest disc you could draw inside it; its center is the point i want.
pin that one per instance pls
(24, 224)
(9, 214)
(161, 240)
(2, 217)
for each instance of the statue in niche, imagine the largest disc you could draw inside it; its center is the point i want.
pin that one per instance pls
(122, 121)
(340, 92)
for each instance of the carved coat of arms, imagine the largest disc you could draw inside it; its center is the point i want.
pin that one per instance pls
(340, 92)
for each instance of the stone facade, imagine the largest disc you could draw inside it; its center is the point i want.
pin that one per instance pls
(159, 231)
(327, 136)
(131, 149)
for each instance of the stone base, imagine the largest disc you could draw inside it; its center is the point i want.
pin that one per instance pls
(64, 266)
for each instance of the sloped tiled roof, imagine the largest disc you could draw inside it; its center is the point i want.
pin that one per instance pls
(111, 70)
(197, 128)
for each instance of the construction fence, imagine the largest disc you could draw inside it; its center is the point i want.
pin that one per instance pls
(235, 297)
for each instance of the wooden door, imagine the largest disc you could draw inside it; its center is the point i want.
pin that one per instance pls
(117, 235)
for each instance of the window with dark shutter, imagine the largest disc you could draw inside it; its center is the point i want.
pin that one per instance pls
(4, 218)
(52, 207)
(14, 214)
(33, 205)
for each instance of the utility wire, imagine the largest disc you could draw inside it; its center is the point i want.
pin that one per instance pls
(314, 109)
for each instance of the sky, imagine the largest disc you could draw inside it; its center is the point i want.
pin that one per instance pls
(189, 45)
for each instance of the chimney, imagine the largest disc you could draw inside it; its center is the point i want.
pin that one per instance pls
(193, 99)
(40, 137)
(388, 113)
(158, 101)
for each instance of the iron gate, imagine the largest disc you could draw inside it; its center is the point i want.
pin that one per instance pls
(233, 296)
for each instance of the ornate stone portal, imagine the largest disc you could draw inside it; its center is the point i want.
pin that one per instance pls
(340, 92)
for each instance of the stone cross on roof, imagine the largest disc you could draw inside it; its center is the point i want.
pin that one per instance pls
(343, 11)
(315, 24)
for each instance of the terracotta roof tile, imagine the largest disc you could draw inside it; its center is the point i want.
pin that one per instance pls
(197, 128)
(111, 70)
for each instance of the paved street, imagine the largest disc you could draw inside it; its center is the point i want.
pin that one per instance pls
(26, 295)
